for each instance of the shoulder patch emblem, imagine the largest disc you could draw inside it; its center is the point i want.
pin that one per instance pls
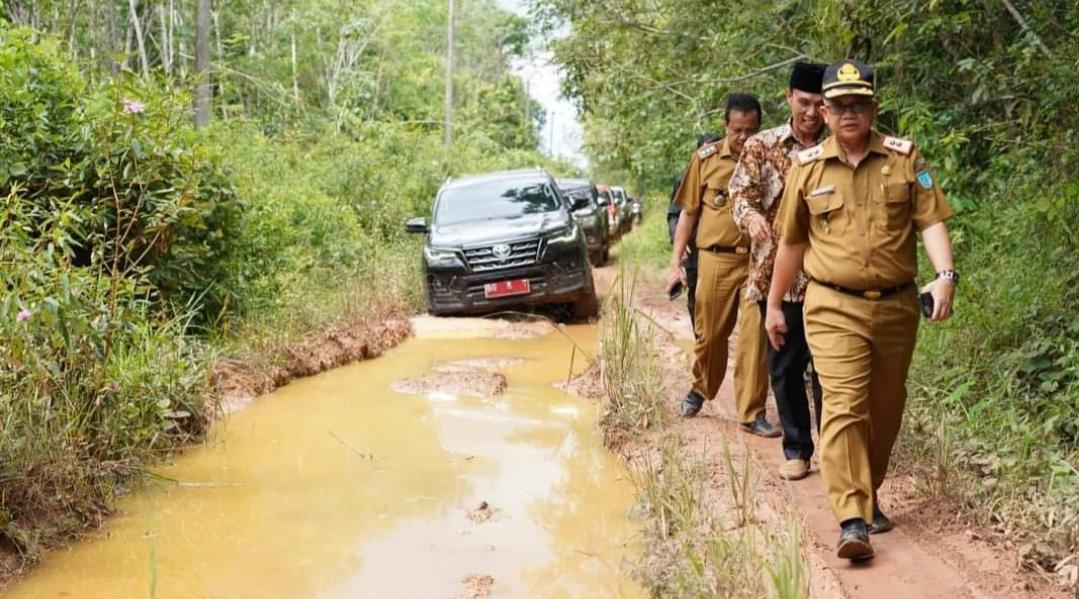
(707, 151)
(810, 155)
(925, 179)
(900, 146)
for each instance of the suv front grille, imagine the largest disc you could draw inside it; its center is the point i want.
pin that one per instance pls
(521, 253)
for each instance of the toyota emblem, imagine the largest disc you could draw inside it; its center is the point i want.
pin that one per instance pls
(501, 251)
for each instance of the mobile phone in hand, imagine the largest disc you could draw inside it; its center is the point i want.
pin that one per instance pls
(926, 299)
(676, 291)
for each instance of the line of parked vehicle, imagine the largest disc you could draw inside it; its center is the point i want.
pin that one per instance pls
(502, 240)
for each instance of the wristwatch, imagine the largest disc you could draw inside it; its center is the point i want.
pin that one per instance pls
(951, 275)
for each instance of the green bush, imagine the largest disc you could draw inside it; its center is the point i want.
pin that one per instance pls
(91, 381)
(119, 164)
(996, 390)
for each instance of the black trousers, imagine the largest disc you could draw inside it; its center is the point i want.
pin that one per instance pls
(787, 368)
(691, 284)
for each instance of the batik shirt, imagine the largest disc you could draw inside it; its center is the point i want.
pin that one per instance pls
(756, 187)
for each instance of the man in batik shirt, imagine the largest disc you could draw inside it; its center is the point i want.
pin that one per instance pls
(756, 188)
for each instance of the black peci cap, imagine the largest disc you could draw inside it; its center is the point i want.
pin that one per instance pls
(848, 77)
(807, 76)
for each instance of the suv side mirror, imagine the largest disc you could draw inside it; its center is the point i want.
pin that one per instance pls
(578, 203)
(602, 200)
(417, 225)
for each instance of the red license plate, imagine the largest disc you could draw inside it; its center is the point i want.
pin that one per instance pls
(507, 288)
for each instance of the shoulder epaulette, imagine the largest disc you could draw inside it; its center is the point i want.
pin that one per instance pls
(900, 146)
(811, 154)
(708, 150)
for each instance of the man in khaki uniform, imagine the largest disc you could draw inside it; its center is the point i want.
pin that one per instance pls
(850, 211)
(722, 266)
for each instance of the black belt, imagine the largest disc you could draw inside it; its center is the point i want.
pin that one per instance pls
(869, 294)
(719, 249)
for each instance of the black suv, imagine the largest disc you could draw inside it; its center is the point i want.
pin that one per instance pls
(591, 216)
(504, 239)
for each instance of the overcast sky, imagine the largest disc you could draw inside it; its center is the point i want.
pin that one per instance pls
(561, 135)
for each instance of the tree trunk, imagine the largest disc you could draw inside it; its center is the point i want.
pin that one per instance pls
(447, 105)
(202, 64)
(163, 43)
(172, 34)
(220, 54)
(141, 45)
(295, 73)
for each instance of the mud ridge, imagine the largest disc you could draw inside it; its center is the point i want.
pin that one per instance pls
(236, 383)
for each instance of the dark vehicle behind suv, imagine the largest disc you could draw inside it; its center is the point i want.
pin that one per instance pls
(501, 240)
(583, 198)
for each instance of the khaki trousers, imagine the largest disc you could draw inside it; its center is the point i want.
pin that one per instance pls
(719, 306)
(862, 351)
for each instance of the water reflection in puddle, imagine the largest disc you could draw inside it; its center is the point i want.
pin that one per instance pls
(336, 486)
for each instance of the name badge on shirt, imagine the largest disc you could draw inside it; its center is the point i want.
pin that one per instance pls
(822, 191)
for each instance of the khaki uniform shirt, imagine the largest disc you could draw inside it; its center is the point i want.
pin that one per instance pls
(859, 222)
(703, 193)
(756, 188)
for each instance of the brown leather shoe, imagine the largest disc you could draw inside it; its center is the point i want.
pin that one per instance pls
(880, 523)
(795, 469)
(760, 427)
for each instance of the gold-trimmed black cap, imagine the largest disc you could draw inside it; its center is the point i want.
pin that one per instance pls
(848, 77)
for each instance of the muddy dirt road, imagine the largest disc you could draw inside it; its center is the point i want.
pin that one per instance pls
(452, 466)
(449, 467)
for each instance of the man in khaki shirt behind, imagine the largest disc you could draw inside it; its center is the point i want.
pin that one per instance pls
(850, 211)
(723, 261)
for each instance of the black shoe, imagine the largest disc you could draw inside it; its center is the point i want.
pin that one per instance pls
(880, 523)
(760, 427)
(854, 541)
(692, 404)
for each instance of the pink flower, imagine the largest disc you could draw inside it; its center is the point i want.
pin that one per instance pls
(23, 315)
(133, 107)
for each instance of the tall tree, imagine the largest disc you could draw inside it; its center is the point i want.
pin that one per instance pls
(447, 107)
(136, 24)
(203, 90)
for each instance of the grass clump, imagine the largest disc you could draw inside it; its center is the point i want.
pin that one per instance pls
(698, 549)
(632, 380)
(704, 533)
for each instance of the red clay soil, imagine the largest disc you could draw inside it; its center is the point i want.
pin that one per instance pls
(237, 383)
(930, 553)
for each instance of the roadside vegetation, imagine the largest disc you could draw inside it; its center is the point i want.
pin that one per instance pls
(648, 249)
(986, 91)
(137, 250)
(701, 539)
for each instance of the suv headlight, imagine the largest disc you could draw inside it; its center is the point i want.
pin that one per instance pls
(441, 257)
(565, 236)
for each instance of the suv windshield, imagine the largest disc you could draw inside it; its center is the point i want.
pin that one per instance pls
(574, 193)
(496, 199)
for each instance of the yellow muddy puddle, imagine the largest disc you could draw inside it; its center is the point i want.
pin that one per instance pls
(336, 486)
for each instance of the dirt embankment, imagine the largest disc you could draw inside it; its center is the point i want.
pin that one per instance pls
(932, 552)
(237, 382)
